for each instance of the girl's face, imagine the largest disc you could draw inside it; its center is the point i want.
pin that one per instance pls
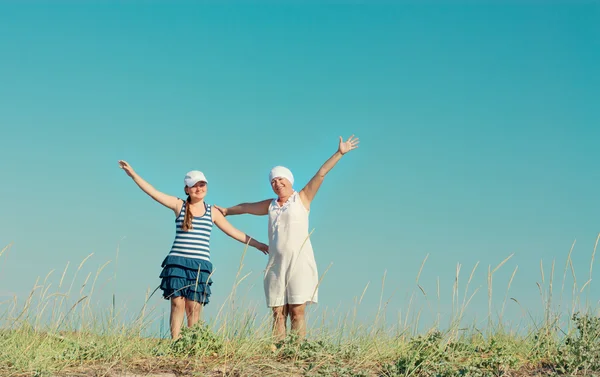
(281, 186)
(197, 191)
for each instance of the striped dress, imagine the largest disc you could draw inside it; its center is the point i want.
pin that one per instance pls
(187, 268)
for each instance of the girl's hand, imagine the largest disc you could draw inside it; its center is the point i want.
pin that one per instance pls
(128, 169)
(262, 247)
(348, 145)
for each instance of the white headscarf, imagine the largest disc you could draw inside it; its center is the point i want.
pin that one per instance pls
(281, 172)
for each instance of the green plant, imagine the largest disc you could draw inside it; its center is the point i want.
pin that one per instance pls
(197, 340)
(496, 357)
(421, 353)
(581, 351)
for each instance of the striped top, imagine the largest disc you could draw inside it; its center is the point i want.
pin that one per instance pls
(195, 243)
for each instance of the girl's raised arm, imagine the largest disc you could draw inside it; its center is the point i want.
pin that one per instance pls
(166, 200)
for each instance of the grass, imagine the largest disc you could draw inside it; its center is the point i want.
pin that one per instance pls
(60, 334)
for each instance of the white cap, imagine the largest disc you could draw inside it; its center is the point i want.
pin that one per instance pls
(193, 177)
(281, 172)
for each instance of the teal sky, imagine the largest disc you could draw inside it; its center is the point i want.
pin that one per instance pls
(479, 129)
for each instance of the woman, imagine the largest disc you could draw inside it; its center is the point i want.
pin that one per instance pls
(187, 269)
(291, 277)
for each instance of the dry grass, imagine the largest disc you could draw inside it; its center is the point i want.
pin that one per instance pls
(59, 334)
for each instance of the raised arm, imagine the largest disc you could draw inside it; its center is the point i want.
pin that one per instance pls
(309, 191)
(236, 234)
(257, 208)
(164, 199)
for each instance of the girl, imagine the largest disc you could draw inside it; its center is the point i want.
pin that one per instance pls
(187, 269)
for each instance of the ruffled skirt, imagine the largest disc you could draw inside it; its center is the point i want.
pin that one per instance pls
(186, 277)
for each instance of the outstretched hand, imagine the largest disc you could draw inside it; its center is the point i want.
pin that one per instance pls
(222, 210)
(125, 166)
(348, 145)
(262, 247)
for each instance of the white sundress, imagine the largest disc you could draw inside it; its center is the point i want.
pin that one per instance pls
(291, 275)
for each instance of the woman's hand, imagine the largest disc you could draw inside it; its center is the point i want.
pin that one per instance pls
(348, 145)
(222, 210)
(262, 247)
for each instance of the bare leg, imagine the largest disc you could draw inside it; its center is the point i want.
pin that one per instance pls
(279, 322)
(193, 310)
(177, 313)
(298, 321)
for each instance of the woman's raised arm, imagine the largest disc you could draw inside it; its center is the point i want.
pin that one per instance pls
(309, 191)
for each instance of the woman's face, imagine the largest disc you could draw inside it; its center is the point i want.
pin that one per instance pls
(281, 186)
